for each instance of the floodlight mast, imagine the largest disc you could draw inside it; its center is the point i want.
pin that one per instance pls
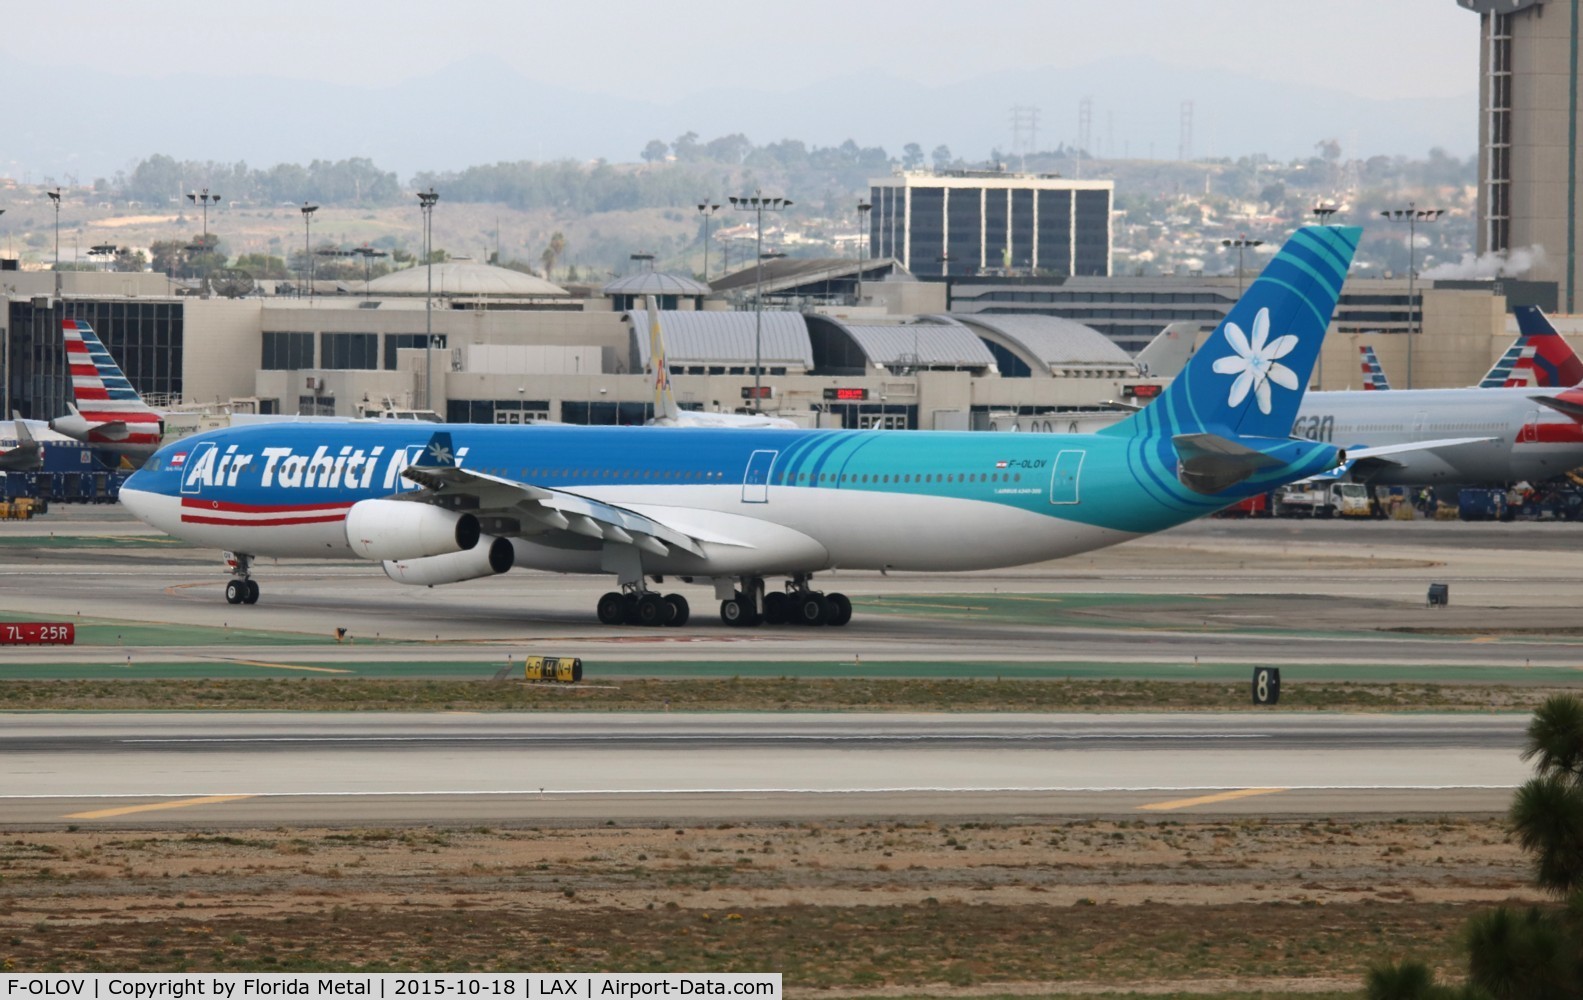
(758, 204)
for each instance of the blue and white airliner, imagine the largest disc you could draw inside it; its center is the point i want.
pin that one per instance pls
(734, 508)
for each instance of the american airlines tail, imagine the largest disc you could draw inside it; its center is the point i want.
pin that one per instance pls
(1539, 357)
(1373, 372)
(666, 412)
(107, 410)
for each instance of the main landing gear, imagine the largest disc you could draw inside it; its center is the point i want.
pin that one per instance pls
(632, 606)
(242, 589)
(797, 605)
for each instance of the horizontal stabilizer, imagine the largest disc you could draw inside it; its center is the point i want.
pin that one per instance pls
(1211, 463)
(1569, 402)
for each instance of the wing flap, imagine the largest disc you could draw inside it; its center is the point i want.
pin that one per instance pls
(491, 496)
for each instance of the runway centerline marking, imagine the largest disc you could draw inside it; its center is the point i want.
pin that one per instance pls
(150, 807)
(1204, 800)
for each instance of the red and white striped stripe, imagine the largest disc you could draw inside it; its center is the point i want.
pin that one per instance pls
(196, 510)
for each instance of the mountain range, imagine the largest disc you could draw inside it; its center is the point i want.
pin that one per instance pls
(90, 124)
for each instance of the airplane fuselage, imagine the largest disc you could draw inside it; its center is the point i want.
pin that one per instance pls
(1530, 441)
(759, 501)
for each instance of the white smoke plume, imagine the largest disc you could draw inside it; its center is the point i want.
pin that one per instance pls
(1512, 263)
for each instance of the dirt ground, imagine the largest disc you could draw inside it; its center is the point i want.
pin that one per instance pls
(1247, 907)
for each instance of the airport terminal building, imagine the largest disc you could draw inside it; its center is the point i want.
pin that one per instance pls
(509, 353)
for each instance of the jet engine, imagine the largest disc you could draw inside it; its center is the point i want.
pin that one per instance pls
(405, 529)
(491, 556)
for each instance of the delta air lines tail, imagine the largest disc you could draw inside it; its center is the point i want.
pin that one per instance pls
(1539, 357)
(108, 411)
(756, 514)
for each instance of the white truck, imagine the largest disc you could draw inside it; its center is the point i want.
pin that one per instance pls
(1323, 500)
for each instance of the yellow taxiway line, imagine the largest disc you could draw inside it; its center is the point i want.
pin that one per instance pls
(150, 807)
(1204, 800)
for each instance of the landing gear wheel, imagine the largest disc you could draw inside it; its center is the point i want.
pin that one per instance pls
(777, 608)
(812, 609)
(680, 612)
(734, 612)
(251, 597)
(840, 609)
(235, 591)
(612, 609)
(653, 610)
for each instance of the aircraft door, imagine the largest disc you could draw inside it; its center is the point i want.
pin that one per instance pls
(1528, 433)
(1063, 480)
(192, 469)
(756, 480)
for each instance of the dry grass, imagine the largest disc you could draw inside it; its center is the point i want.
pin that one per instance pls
(752, 694)
(1221, 908)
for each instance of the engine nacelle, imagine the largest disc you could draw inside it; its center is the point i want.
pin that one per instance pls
(406, 529)
(490, 557)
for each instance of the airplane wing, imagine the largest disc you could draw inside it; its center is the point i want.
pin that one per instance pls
(1362, 460)
(506, 507)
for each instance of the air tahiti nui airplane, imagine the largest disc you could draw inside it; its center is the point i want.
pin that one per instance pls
(733, 508)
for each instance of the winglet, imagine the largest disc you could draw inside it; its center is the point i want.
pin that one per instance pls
(438, 453)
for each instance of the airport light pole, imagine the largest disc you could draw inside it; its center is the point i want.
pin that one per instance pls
(863, 209)
(368, 253)
(307, 245)
(54, 196)
(205, 199)
(1322, 214)
(426, 200)
(1241, 242)
(758, 204)
(1412, 215)
(707, 210)
(100, 251)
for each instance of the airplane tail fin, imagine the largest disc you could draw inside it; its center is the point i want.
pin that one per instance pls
(1539, 356)
(1373, 371)
(1167, 353)
(101, 391)
(665, 409)
(1249, 377)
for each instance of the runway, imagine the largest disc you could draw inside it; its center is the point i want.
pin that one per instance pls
(1332, 597)
(203, 770)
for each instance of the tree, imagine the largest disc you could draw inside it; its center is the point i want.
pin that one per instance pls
(912, 156)
(553, 252)
(655, 151)
(686, 147)
(941, 157)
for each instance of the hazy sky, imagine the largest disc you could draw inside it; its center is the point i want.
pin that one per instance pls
(1396, 48)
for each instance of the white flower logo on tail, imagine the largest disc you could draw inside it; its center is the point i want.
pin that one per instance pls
(1255, 364)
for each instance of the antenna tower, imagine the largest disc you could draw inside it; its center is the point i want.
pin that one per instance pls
(1085, 133)
(1024, 132)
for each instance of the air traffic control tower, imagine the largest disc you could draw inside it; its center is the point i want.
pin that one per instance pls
(1528, 135)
